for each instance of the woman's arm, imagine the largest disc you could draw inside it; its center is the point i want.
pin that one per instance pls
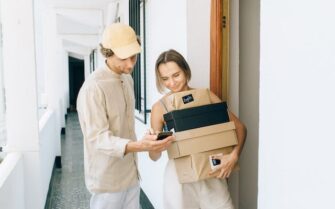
(241, 133)
(157, 122)
(228, 162)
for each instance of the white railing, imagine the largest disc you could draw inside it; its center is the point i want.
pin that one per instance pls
(2, 132)
(12, 182)
(49, 139)
(37, 169)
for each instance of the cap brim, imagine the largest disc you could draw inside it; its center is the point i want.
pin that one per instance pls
(127, 51)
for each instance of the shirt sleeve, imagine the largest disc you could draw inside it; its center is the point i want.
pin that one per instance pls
(93, 114)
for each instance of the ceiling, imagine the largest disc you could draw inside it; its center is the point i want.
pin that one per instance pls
(80, 22)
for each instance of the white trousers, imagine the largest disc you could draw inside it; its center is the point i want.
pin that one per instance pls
(128, 199)
(206, 194)
(172, 189)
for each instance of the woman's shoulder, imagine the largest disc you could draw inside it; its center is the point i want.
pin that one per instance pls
(159, 104)
(157, 108)
(156, 104)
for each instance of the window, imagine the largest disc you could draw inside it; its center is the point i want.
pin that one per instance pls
(93, 60)
(137, 21)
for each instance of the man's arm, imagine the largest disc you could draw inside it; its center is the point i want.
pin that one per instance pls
(94, 122)
(96, 128)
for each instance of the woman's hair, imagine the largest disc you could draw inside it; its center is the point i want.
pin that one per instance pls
(108, 52)
(171, 56)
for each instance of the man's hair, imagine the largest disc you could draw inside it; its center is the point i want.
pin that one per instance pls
(171, 56)
(108, 52)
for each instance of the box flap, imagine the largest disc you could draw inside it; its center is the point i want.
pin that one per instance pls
(203, 142)
(200, 162)
(184, 170)
(187, 99)
(195, 167)
(190, 98)
(198, 132)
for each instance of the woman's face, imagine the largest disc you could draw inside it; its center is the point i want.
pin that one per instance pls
(173, 77)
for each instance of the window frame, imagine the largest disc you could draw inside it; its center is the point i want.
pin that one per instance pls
(137, 22)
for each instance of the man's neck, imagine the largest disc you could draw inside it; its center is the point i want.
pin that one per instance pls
(110, 68)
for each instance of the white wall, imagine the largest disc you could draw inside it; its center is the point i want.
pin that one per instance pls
(297, 82)
(39, 12)
(198, 41)
(2, 95)
(54, 66)
(20, 74)
(164, 31)
(55, 71)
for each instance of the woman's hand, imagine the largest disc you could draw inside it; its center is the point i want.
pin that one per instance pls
(224, 169)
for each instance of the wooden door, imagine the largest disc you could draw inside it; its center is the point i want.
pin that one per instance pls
(219, 48)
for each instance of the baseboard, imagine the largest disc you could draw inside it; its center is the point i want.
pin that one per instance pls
(62, 131)
(48, 200)
(58, 162)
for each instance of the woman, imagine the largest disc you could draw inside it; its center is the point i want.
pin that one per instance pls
(173, 73)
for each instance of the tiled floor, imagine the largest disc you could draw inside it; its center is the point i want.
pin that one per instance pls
(67, 188)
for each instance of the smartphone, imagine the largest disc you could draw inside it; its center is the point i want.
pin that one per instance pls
(163, 135)
(214, 163)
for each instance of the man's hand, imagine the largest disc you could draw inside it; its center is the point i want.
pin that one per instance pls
(149, 143)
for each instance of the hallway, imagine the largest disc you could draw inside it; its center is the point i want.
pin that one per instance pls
(67, 188)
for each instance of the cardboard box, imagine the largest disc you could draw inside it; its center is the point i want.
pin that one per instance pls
(196, 117)
(196, 166)
(190, 98)
(203, 139)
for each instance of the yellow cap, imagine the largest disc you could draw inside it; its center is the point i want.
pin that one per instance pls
(121, 39)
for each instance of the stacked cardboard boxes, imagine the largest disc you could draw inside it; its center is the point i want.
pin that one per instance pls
(201, 131)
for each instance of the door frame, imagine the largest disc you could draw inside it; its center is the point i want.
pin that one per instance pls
(219, 48)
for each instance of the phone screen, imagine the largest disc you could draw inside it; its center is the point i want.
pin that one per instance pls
(163, 135)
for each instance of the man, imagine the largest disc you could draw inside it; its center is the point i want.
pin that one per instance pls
(106, 114)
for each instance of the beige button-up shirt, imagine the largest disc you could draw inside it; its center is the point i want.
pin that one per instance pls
(105, 107)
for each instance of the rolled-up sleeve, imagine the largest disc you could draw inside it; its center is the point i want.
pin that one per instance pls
(94, 121)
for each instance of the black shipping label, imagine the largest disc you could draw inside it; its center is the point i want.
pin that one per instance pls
(188, 99)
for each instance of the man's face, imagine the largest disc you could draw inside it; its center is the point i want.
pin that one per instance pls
(120, 66)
